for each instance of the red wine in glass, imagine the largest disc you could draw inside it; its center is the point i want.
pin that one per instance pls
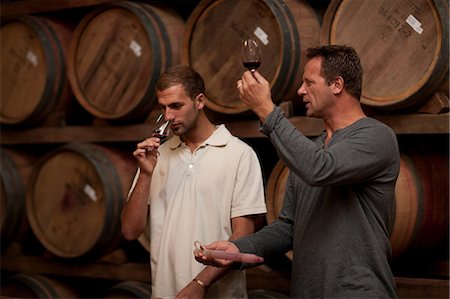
(162, 137)
(162, 130)
(251, 54)
(252, 65)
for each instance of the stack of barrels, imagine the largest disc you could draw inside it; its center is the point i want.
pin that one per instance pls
(109, 62)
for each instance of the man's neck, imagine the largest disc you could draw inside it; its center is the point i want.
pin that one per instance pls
(203, 130)
(342, 117)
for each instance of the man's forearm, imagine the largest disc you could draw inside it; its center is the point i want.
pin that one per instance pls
(135, 210)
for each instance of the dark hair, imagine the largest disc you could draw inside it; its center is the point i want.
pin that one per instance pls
(182, 74)
(338, 60)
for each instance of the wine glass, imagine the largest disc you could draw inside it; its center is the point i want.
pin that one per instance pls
(162, 130)
(251, 54)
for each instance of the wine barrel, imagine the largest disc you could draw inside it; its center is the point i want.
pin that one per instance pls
(421, 199)
(276, 188)
(33, 70)
(403, 46)
(23, 285)
(75, 199)
(16, 167)
(216, 29)
(129, 289)
(422, 194)
(117, 54)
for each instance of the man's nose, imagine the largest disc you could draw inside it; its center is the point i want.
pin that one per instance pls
(301, 91)
(168, 115)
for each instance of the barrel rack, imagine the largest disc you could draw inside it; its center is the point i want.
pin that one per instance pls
(401, 124)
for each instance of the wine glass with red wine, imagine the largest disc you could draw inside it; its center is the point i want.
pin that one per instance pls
(162, 130)
(251, 54)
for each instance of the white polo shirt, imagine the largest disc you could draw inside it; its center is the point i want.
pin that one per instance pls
(193, 197)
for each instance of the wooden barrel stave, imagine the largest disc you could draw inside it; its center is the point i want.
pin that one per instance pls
(116, 56)
(284, 31)
(16, 168)
(75, 199)
(403, 64)
(426, 204)
(28, 285)
(33, 65)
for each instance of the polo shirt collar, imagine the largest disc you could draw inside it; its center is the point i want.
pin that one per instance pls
(220, 137)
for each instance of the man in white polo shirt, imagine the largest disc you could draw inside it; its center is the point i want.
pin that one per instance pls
(203, 184)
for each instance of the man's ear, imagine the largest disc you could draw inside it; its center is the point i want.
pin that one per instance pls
(199, 101)
(338, 85)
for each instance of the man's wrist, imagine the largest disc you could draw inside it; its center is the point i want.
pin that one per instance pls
(265, 111)
(201, 283)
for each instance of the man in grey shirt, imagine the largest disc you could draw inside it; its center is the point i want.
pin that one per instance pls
(339, 202)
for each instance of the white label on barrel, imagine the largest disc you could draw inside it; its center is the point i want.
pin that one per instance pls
(261, 35)
(31, 57)
(414, 23)
(90, 192)
(137, 49)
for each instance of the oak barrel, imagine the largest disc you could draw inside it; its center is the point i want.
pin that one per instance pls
(275, 190)
(421, 198)
(15, 170)
(117, 54)
(33, 69)
(30, 285)
(215, 31)
(129, 289)
(75, 199)
(403, 46)
(422, 203)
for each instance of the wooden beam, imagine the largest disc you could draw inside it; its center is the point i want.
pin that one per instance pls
(401, 124)
(76, 134)
(103, 270)
(422, 287)
(417, 123)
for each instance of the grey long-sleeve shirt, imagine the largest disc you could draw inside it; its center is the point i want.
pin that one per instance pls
(337, 212)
